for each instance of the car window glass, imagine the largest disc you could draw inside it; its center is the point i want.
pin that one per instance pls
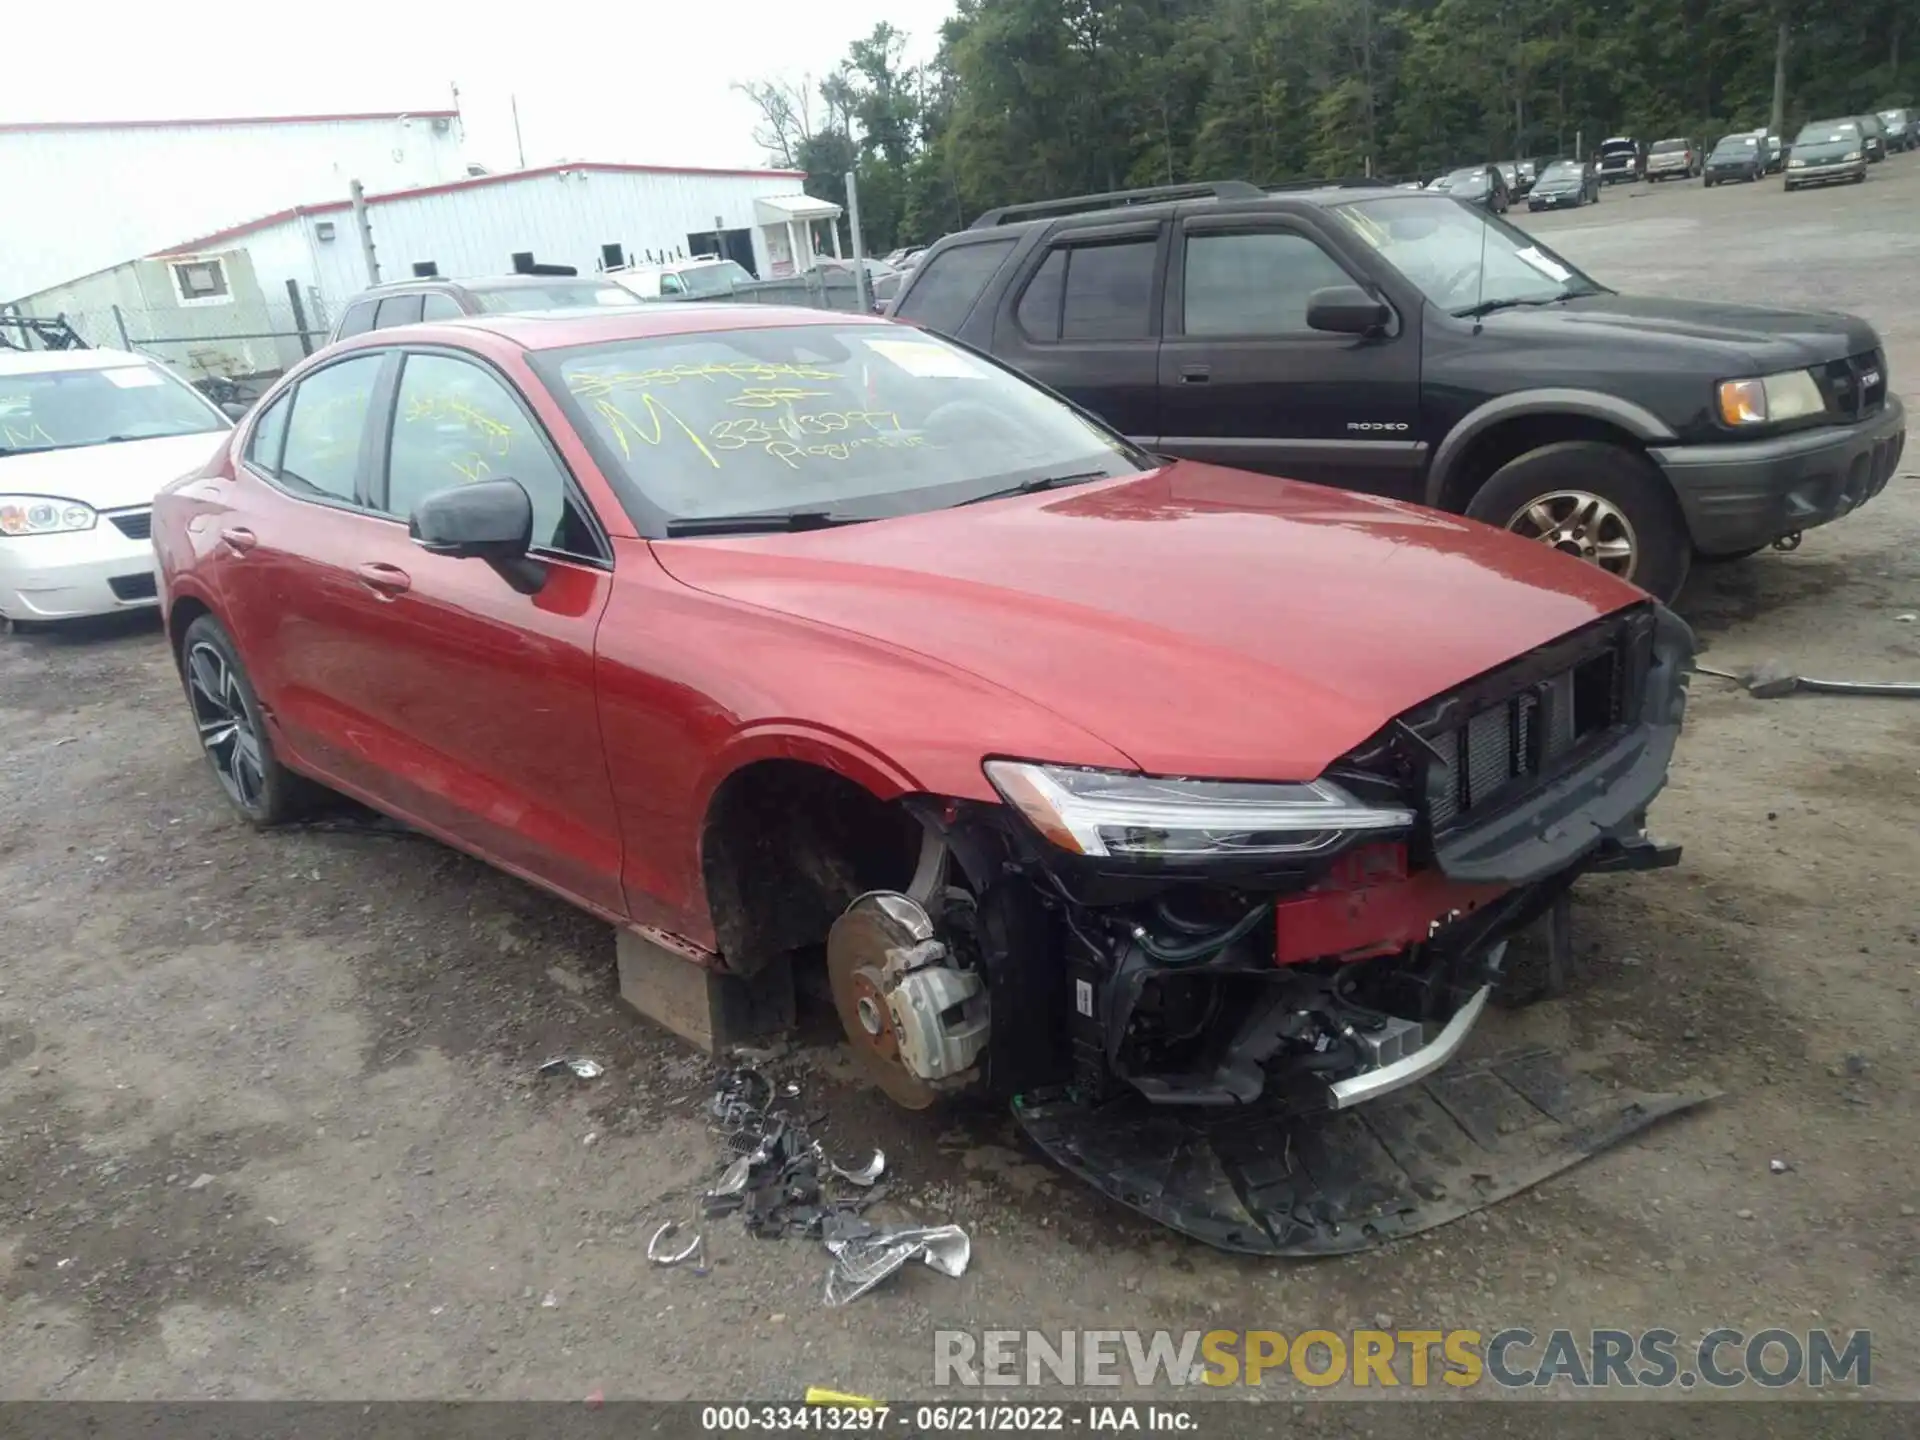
(397, 310)
(1039, 308)
(945, 287)
(436, 306)
(269, 433)
(1109, 290)
(455, 423)
(1254, 284)
(358, 319)
(670, 285)
(329, 416)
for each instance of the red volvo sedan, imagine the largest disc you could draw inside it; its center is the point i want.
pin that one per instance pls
(1149, 796)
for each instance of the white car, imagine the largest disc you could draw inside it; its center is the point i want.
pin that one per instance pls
(87, 438)
(700, 277)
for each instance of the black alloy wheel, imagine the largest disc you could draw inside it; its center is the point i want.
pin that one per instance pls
(227, 718)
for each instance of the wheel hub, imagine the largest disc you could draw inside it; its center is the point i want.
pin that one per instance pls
(1582, 524)
(857, 949)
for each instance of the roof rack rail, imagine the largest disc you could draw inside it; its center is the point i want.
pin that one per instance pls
(1117, 199)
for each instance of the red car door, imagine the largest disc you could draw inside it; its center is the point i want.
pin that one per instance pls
(482, 699)
(427, 684)
(286, 538)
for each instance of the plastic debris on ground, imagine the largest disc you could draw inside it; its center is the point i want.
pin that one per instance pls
(694, 1249)
(780, 1180)
(578, 1066)
(865, 1254)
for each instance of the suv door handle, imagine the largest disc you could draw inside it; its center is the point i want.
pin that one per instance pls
(240, 540)
(386, 581)
(1195, 374)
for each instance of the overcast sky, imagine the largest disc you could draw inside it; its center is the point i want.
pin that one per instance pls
(648, 82)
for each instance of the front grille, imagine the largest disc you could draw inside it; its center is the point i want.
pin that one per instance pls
(134, 587)
(1856, 387)
(134, 524)
(1503, 735)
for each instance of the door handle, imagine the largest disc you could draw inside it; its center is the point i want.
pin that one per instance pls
(386, 581)
(240, 540)
(1195, 374)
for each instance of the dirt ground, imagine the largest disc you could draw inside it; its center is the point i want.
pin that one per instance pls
(267, 1127)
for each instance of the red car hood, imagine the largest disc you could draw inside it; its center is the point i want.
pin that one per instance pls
(1203, 621)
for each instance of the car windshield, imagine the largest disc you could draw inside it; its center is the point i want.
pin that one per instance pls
(1893, 117)
(1473, 179)
(1827, 133)
(860, 421)
(717, 279)
(560, 295)
(1617, 147)
(1561, 170)
(1462, 258)
(1667, 147)
(65, 409)
(1736, 145)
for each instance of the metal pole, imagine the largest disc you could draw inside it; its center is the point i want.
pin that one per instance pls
(859, 245)
(519, 149)
(299, 315)
(120, 324)
(361, 223)
(1776, 117)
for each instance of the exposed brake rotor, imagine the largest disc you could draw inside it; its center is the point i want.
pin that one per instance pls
(857, 948)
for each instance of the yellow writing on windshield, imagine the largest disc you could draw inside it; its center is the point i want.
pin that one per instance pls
(592, 385)
(770, 397)
(625, 428)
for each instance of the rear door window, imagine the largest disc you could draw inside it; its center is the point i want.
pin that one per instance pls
(436, 306)
(945, 288)
(358, 319)
(1109, 291)
(398, 310)
(1039, 308)
(329, 421)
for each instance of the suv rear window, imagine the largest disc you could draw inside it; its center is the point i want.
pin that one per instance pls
(358, 319)
(945, 287)
(1109, 291)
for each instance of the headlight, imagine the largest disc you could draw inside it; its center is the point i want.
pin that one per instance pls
(41, 515)
(1139, 817)
(1850, 155)
(1790, 395)
(1796, 164)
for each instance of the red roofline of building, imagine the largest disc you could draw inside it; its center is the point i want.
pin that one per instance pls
(333, 207)
(29, 126)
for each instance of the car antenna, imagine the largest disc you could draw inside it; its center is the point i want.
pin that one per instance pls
(1480, 287)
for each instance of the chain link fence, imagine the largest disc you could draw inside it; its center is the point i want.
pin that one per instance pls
(230, 351)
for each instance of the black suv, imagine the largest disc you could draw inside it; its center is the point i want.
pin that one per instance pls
(1403, 343)
(407, 302)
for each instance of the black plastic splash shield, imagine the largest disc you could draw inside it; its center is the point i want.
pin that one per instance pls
(1265, 1180)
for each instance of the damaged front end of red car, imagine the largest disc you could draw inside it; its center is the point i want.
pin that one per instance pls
(1241, 1007)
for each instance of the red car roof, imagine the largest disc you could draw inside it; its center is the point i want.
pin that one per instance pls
(556, 329)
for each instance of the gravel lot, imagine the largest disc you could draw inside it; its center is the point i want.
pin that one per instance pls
(267, 1127)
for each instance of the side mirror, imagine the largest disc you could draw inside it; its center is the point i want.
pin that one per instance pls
(490, 520)
(1346, 310)
(234, 410)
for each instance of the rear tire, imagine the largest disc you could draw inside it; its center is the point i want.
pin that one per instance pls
(232, 730)
(1646, 515)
